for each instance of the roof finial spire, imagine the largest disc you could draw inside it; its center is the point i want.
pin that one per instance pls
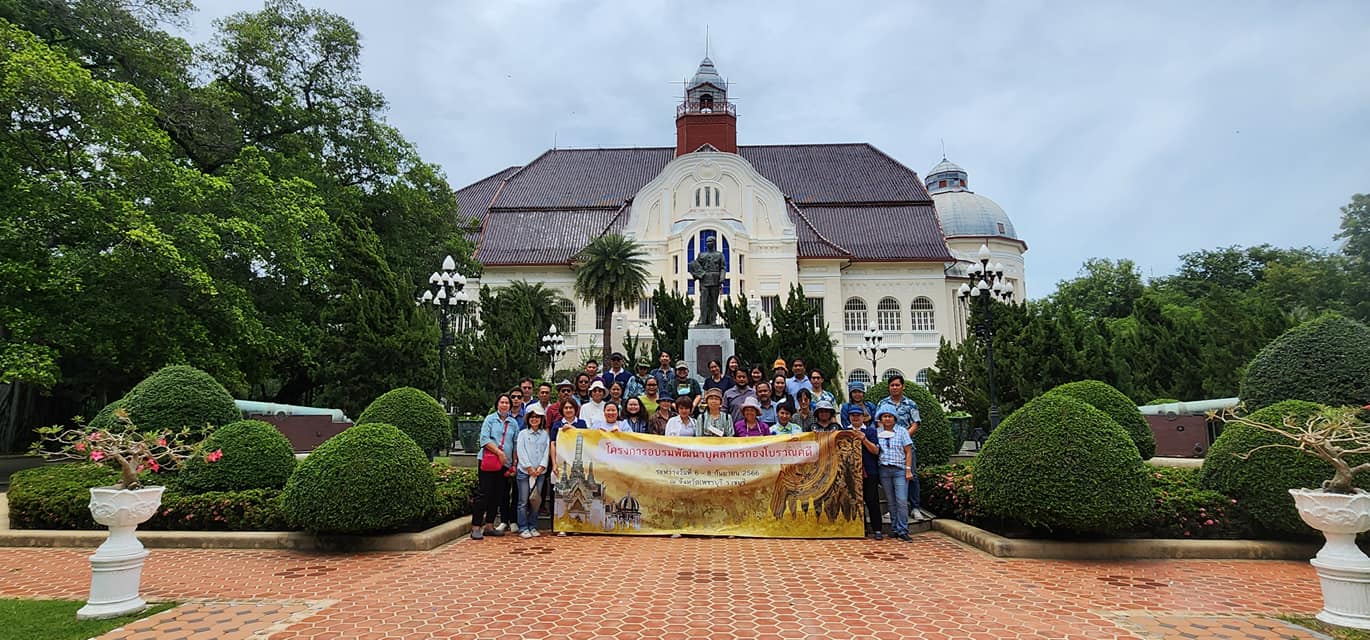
(706, 41)
(944, 148)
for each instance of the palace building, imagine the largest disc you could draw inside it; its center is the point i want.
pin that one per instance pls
(871, 244)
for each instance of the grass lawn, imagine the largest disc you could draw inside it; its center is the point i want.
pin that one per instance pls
(56, 620)
(1340, 633)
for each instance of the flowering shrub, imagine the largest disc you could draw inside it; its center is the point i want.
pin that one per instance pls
(949, 491)
(120, 445)
(1180, 509)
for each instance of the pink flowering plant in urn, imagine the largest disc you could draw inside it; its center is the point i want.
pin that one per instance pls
(121, 446)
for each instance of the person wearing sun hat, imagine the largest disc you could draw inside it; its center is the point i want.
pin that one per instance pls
(750, 424)
(896, 469)
(683, 385)
(827, 417)
(636, 382)
(713, 421)
(856, 394)
(592, 412)
(778, 367)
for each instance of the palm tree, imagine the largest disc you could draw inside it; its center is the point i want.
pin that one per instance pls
(545, 304)
(611, 273)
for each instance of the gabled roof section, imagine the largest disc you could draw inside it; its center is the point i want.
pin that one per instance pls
(547, 237)
(812, 244)
(583, 178)
(882, 232)
(833, 173)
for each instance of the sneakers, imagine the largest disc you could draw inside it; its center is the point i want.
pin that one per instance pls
(477, 534)
(525, 534)
(502, 527)
(879, 535)
(496, 532)
(561, 534)
(534, 532)
(905, 537)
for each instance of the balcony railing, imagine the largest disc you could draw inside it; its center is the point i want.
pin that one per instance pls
(696, 107)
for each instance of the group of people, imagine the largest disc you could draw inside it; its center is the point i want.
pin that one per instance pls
(518, 440)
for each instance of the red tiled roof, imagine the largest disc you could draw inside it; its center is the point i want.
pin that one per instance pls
(847, 201)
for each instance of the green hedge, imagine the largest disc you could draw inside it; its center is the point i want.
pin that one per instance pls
(177, 397)
(1325, 360)
(255, 456)
(1261, 483)
(1122, 409)
(371, 477)
(416, 413)
(1058, 463)
(56, 496)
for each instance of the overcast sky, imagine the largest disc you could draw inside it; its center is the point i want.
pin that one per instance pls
(1110, 129)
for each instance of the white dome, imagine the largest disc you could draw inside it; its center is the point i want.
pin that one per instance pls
(966, 213)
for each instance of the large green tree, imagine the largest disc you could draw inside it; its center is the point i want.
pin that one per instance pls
(611, 272)
(671, 325)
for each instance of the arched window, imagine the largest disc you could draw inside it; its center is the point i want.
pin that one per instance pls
(568, 309)
(859, 375)
(920, 315)
(706, 101)
(887, 315)
(890, 373)
(921, 377)
(854, 315)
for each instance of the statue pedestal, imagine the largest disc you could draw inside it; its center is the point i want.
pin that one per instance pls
(703, 344)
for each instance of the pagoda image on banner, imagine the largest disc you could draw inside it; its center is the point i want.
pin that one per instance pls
(580, 498)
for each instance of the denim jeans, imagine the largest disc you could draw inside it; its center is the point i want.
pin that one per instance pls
(915, 489)
(528, 518)
(896, 494)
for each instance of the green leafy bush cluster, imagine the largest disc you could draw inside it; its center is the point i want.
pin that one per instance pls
(1181, 509)
(949, 491)
(416, 414)
(56, 496)
(255, 456)
(1119, 407)
(1325, 360)
(250, 510)
(175, 398)
(456, 486)
(1059, 464)
(1261, 483)
(369, 478)
(933, 437)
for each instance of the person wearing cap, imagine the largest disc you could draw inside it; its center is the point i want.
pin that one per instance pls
(712, 420)
(566, 391)
(682, 385)
(800, 379)
(856, 394)
(616, 372)
(907, 418)
(716, 378)
(750, 425)
(856, 416)
(784, 426)
(896, 469)
(740, 389)
(778, 367)
(635, 384)
(681, 424)
(827, 417)
(532, 451)
(592, 412)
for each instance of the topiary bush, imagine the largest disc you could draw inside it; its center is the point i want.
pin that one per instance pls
(179, 397)
(369, 478)
(255, 456)
(416, 413)
(1325, 360)
(1058, 463)
(1261, 483)
(933, 438)
(56, 496)
(1122, 409)
(1181, 509)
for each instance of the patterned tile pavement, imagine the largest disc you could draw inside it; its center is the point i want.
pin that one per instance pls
(589, 587)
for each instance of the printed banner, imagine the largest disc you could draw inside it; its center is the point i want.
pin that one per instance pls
(798, 486)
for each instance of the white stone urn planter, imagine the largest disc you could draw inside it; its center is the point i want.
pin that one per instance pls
(1342, 568)
(117, 566)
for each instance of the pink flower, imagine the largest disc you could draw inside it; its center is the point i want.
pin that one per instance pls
(80, 446)
(1208, 523)
(214, 455)
(95, 435)
(154, 465)
(161, 442)
(97, 455)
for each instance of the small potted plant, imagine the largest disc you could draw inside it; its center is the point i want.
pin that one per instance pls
(1338, 509)
(117, 565)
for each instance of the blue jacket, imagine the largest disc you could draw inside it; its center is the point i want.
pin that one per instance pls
(493, 430)
(871, 461)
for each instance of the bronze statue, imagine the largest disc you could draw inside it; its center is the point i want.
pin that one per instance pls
(707, 270)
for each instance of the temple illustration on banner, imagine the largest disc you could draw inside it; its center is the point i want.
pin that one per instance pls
(580, 498)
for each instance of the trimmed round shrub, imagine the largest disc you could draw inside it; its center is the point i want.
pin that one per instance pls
(1058, 463)
(56, 496)
(1122, 409)
(933, 438)
(1260, 484)
(1325, 360)
(416, 413)
(255, 456)
(369, 478)
(179, 397)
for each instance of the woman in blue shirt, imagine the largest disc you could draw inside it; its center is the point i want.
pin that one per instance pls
(497, 439)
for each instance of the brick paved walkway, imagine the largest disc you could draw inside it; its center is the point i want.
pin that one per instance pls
(588, 587)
